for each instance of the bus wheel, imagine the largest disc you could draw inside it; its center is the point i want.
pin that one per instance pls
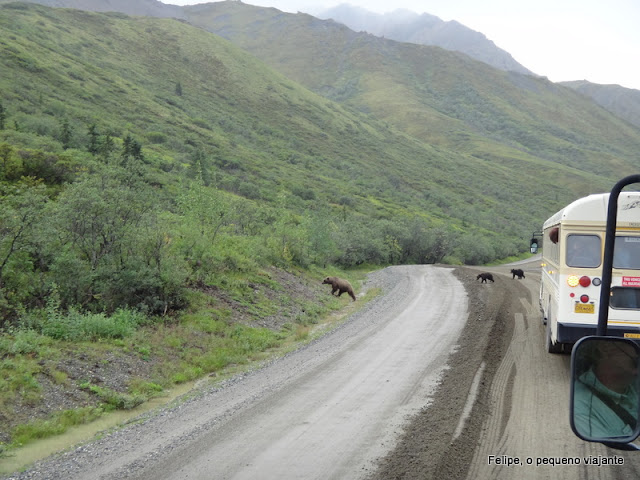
(551, 347)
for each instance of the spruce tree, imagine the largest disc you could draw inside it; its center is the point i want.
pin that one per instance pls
(94, 144)
(66, 134)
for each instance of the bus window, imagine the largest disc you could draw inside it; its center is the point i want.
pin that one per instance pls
(625, 297)
(626, 253)
(583, 251)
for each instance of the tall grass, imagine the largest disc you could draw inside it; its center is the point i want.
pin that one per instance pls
(73, 325)
(59, 423)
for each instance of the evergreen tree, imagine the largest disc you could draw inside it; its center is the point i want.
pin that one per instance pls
(5, 153)
(136, 151)
(3, 116)
(107, 147)
(66, 134)
(131, 149)
(94, 140)
(200, 168)
(126, 148)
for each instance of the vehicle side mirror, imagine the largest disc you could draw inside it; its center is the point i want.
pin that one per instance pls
(534, 245)
(605, 386)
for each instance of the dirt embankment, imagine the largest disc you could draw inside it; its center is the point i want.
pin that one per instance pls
(428, 449)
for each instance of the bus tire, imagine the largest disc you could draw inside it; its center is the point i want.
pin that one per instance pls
(550, 346)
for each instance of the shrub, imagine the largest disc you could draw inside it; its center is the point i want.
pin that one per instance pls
(23, 342)
(156, 137)
(77, 326)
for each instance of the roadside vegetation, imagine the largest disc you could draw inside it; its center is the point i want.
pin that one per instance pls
(61, 369)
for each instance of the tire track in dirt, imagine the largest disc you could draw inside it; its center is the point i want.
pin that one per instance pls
(521, 408)
(427, 449)
(537, 423)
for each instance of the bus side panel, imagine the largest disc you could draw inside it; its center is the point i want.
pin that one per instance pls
(547, 296)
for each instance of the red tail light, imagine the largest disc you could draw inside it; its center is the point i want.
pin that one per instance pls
(585, 281)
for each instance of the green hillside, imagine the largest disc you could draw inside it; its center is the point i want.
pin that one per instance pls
(438, 96)
(623, 102)
(194, 102)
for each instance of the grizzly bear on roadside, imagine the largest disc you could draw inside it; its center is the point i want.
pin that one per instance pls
(339, 284)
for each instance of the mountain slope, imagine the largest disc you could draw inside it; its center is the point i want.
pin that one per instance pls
(623, 102)
(260, 134)
(151, 8)
(425, 29)
(426, 93)
(437, 96)
(418, 131)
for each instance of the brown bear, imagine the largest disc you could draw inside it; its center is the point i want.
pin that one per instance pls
(517, 272)
(339, 284)
(484, 277)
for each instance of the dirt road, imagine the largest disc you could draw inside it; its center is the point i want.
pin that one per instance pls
(521, 406)
(533, 386)
(431, 380)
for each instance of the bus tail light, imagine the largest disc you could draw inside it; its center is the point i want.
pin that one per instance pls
(584, 298)
(573, 280)
(585, 281)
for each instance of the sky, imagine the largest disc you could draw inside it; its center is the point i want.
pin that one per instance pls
(594, 40)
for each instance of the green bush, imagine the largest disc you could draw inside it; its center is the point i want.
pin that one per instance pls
(77, 326)
(157, 137)
(23, 342)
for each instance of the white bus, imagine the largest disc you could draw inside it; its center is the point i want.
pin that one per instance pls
(572, 254)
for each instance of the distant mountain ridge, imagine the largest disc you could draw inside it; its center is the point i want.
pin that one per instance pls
(289, 42)
(149, 8)
(623, 102)
(406, 26)
(426, 91)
